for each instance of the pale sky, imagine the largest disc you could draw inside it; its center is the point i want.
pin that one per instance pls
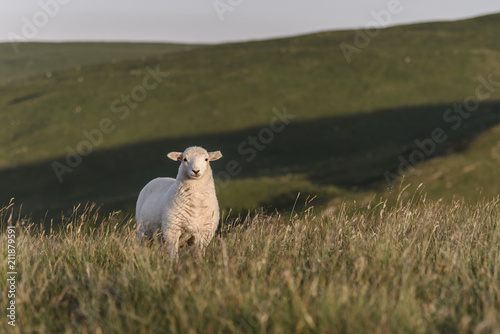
(197, 21)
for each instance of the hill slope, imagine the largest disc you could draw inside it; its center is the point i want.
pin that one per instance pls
(349, 123)
(44, 58)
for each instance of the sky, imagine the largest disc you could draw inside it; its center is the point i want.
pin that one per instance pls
(215, 21)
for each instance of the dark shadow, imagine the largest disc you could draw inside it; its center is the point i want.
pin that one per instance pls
(351, 150)
(24, 98)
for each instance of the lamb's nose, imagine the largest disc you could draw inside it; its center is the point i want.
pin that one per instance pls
(196, 171)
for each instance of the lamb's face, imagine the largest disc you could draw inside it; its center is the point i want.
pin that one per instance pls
(195, 164)
(195, 161)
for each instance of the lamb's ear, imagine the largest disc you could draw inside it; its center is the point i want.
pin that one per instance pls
(212, 156)
(176, 156)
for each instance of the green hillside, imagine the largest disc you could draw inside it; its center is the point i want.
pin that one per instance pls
(349, 124)
(34, 59)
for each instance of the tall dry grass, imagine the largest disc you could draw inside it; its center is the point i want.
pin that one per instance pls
(420, 267)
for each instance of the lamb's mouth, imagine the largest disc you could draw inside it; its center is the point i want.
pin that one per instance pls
(194, 176)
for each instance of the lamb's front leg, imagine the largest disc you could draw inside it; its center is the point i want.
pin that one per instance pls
(202, 242)
(172, 237)
(201, 249)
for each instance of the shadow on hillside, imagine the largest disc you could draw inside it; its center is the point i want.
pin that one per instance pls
(347, 151)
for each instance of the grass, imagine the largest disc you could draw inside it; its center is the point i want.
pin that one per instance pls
(44, 59)
(420, 266)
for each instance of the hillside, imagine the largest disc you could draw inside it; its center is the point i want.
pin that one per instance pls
(349, 123)
(34, 59)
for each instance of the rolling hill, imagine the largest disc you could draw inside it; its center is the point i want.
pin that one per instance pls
(349, 125)
(34, 59)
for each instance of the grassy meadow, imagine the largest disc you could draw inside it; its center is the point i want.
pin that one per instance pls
(420, 266)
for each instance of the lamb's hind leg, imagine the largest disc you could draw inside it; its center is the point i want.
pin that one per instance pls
(146, 232)
(141, 231)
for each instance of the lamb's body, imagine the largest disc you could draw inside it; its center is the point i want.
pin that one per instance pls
(191, 213)
(148, 211)
(186, 209)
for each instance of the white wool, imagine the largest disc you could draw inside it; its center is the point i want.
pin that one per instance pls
(184, 210)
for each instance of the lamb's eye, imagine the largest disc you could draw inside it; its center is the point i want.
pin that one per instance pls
(206, 159)
(185, 159)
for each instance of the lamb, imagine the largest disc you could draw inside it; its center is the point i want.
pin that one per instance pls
(184, 210)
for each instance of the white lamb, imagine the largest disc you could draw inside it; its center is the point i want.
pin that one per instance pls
(184, 209)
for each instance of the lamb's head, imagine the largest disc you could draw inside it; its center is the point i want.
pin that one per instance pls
(195, 161)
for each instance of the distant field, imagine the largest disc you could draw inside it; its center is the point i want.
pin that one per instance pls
(419, 267)
(351, 123)
(34, 59)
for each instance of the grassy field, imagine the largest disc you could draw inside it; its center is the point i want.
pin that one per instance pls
(352, 121)
(35, 59)
(420, 266)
